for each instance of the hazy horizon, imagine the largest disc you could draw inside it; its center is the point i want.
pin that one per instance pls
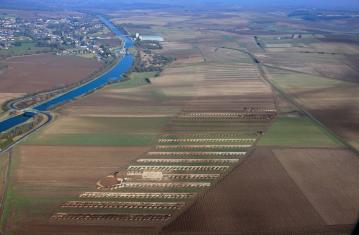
(323, 4)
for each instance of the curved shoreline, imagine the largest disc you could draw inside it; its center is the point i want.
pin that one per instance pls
(113, 74)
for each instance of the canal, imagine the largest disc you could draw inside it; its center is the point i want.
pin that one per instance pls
(113, 74)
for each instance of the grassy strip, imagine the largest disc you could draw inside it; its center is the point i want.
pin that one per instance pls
(136, 79)
(13, 203)
(5, 143)
(8, 193)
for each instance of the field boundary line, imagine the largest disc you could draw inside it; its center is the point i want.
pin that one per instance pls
(304, 73)
(6, 187)
(293, 101)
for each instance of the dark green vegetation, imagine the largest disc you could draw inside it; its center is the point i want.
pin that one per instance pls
(136, 79)
(24, 48)
(148, 61)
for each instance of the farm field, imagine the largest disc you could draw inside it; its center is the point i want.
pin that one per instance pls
(117, 112)
(110, 131)
(196, 121)
(335, 201)
(298, 132)
(264, 188)
(23, 75)
(4, 166)
(327, 59)
(210, 133)
(48, 175)
(207, 146)
(332, 101)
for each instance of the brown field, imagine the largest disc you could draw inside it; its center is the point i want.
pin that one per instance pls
(64, 161)
(48, 175)
(332, 174)
(28, 74)
(326, 65)
(278, 192)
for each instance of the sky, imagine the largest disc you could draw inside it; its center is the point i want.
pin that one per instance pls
(330, 4)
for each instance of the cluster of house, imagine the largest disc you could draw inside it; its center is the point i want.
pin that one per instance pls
(7, 29)
(66, 35)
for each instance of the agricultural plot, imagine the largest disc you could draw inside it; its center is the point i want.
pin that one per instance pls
(106, 131)
(337, 197)
(4, 167)
(298, 132)
(196, 147)
(137, 195)
(123, 205)
(331, 101)
(312, 178)
(164, 160)
(44, 177)
(23, 75)
(105, 218)
(169, 155)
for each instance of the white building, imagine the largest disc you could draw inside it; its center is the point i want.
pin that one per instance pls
(151, 38)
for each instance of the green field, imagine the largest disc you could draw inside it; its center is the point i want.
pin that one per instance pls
(136, 79)
(299, 82)
(298, 132)
(18, 205)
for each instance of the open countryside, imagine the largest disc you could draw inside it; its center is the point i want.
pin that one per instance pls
(172, 118)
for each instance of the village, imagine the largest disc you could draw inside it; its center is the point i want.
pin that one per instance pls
(72, 35)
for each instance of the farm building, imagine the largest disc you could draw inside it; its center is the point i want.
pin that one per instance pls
(150, 38)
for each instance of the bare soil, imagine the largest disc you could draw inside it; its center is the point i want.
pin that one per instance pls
(46, 176)
(75, 165)
(28, 74)
(328, 178)
(262, 197)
